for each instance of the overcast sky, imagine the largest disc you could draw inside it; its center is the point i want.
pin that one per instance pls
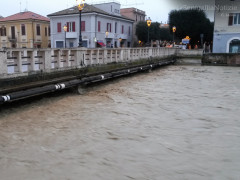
(158, 10)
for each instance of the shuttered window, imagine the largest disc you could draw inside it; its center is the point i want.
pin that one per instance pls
(83, 26)
(59, 27)
(71, 27)
(99, 26)
(109, 27)
(23, 29)
(38, 30)
(234, 19)
(49, 31)
(3, 31)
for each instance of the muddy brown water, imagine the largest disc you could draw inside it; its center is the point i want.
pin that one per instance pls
(176, 123)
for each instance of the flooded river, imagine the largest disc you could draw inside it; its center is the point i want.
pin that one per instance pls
(176, 123)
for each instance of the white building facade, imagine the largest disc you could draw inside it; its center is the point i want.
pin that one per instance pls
(227, 27)
(102, 25)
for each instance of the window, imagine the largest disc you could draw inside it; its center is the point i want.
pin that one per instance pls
(109, 27)
(59, 27)
(49, 31)
(23, 28)
(83, 26)
(136, 18)
(129, 30)
(234, 46)
(38, 30)
(71, 44)
(99, 26)
(13, 32)
(71, 27)
(3, 31)
(115, 27)
(59, 44)
(234, 19)
(46, 33)
(122, 29)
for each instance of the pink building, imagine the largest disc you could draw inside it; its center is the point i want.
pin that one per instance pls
(136, 15)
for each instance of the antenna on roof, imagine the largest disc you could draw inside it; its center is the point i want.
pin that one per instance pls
(26, 9)
(20, 6)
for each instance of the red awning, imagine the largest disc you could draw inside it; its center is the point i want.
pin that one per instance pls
(101, 44)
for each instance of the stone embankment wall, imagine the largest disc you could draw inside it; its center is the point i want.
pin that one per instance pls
(35, 67)
(226, 59)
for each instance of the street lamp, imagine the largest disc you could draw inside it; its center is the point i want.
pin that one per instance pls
(80, 4)
(149, 22)
(202, 36)
(174, 30)
(106, 33)
(65, 30)
(120, 41)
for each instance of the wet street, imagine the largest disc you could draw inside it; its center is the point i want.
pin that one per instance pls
(176, 123)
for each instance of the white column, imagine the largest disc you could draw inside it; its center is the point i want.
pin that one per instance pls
(81, 53)
(3, 63)
(30, 54)
(116, 55)
(128, 55)
(150, 52)
(91, 57)
(47, 57)
(111, 56)
(104, 56)
(121, 55)
(18, 61)
(57, 59)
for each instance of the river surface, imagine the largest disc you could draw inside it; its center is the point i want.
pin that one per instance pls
(176, 123)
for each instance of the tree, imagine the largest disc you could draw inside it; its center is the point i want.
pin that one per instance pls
(142, 31)
(192, 23)
(165, 34)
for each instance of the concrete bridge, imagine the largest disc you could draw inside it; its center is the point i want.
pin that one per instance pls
(24, 70)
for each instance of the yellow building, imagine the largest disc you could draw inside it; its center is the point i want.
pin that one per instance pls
(25, 30)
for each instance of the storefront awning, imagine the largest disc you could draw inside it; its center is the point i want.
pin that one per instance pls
(101, 44)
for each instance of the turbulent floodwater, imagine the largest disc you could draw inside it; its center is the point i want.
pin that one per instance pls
(176, 123)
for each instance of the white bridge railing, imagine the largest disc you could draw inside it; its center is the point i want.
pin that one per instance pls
(21, 62)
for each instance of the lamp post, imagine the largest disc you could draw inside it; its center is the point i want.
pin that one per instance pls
(174, 30)
(80, 4)
(65, 30)
(201, 36)
(148, 24)
(106, 33)
(120, 41)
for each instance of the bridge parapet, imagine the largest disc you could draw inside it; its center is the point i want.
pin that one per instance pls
(21, 62)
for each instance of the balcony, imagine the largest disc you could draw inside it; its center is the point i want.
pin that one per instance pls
(109, 35)
(71, 35)
(12, 39)
(123, 36)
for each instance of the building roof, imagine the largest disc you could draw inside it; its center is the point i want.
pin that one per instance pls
(132, 9)
(24, 16)
(87, 9)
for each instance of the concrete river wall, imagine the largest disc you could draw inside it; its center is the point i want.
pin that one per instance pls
(28, 69)
(226, 59)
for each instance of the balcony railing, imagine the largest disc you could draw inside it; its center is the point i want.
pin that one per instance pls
(12, 39)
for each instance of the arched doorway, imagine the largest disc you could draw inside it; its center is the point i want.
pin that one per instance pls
(234, 46)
